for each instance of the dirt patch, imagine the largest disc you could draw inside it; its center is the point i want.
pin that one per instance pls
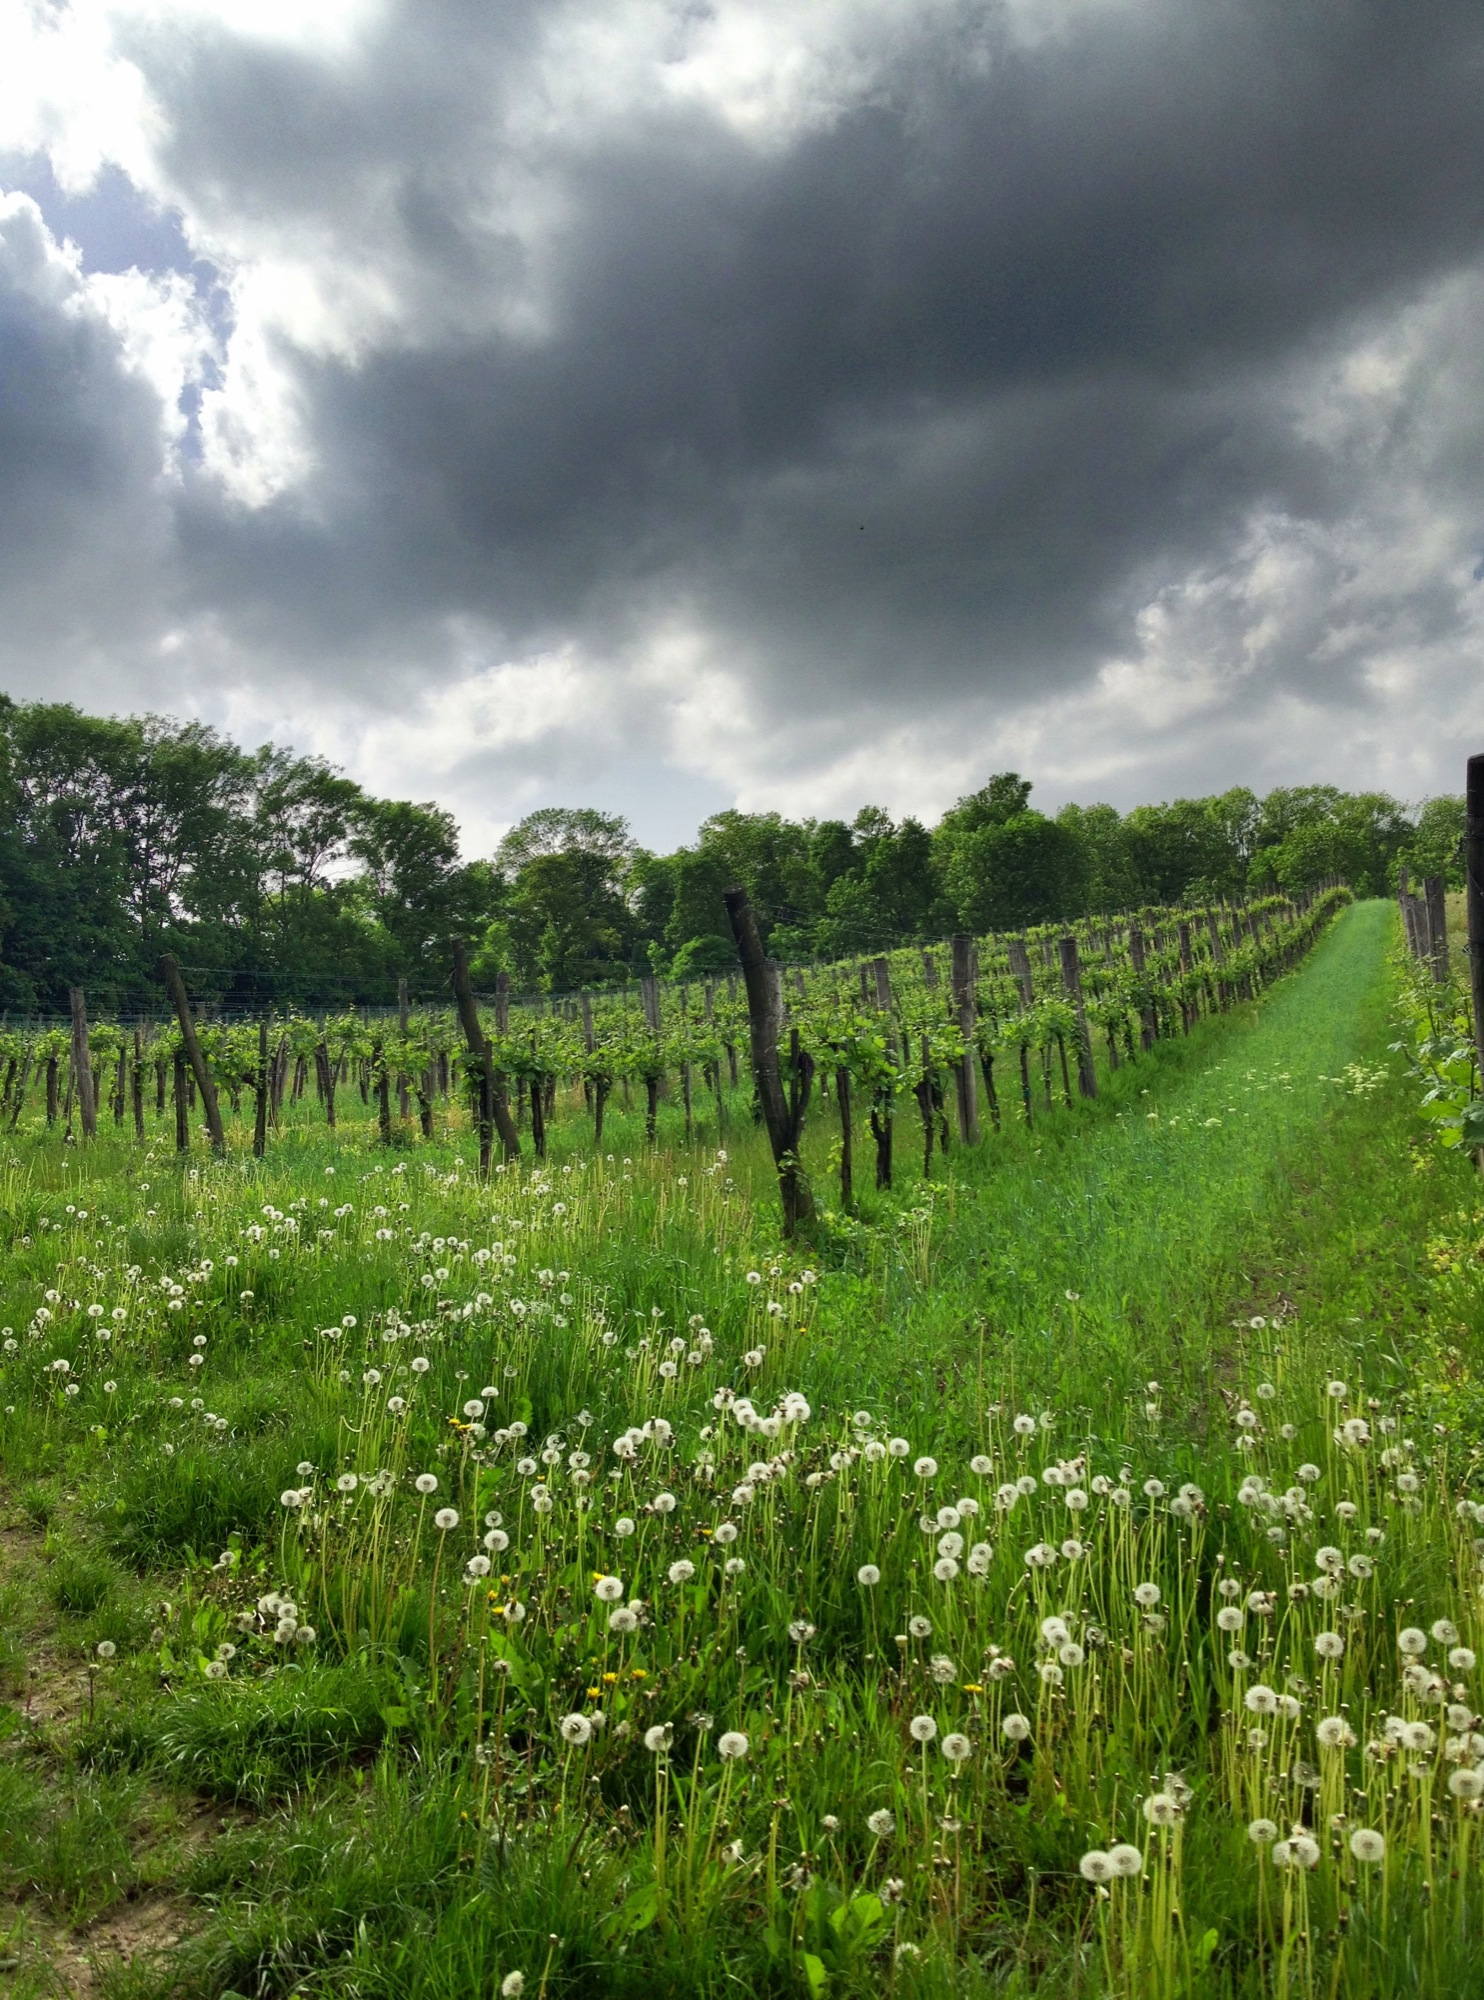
(77, 1961)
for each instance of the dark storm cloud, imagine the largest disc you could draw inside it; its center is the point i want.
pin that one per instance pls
(919, 397)
(937, 391)
(84, 526)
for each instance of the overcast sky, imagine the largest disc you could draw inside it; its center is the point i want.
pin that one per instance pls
(783, 403)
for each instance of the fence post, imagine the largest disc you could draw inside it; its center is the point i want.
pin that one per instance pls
(964, 1003)
(175, 987)
(782, 1115)
(1071, 979)
(1473, 875)
(1437, 925)
(82, 1064)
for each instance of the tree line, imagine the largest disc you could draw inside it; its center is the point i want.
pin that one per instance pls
(276, 880)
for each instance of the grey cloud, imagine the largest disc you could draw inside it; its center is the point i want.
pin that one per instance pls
(927, 401)
(85, 530)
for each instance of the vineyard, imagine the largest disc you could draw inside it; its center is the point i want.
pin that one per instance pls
(458, 1542)
(1010, 1020)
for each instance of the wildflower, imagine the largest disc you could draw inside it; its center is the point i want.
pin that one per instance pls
(1289, 1854)
(576, 1729)
(1016, 1728)
(1329, 1645)
(925, 1468)
(659, 1738)
(1412, 1641)
(920, 1627)
(446, 1518)
(1461, 1659)
(1335, 1733)
(623, 1619)
(512, 1986)
(1127, 1860)
(922, 1729)
(1161, 1809)
(1260, 1700)
(957, 1747)
(1146, 1595)
(732, 1744)
(682, 1571)
(1368, 1845)
(868, 1574)
(880, 1823)
(426, 1482)
(608, 1589)
(1096, 1866)
(106, 1649)
(1262, 1832)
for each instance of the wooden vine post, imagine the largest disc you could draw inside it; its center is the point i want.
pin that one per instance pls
(175, 987)
(783, 1113)
(500, 1099)
(649, 1000)
(404, 1094)
(481, 1080)
(261, 1087)
(1434, 900)
(1473, 876)
(82, 1064)
(1071, 979)
(964, 975)
(490, 1105)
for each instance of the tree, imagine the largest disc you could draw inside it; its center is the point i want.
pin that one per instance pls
(1023, 870)
(1435, 844)
(565, 830)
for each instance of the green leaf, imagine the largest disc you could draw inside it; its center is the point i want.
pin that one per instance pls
(638, 1910)
(815, 1976)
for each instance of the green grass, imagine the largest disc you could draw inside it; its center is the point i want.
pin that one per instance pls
(1162, 1285)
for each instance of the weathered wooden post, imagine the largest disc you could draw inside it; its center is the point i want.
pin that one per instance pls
(82, 1064)
(1473, 876)
(783, 1115)
(1434, 898)
(136, 1082)
(175, 987)
(1187, 965)
(404, 1093)
(1138, 959)
(481, 1082)
(504, 1123)
(649, 1001)
(965, 974)
(262, 1086)
(1071, 979)
(182, 1103)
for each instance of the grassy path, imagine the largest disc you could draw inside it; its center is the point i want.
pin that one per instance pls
(1150, 1209)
